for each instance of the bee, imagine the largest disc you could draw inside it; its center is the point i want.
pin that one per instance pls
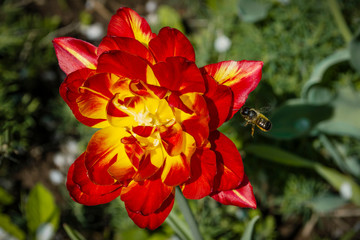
(254, 117)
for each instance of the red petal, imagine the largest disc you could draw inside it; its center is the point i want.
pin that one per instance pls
(150, 163)
(94, 97)
(70, 92)
(196, 121)
(125, 44)
(153, 220)
(171, 42)
(146, 196)
(203, 170)
(177, 168)
(104, 150)
(173, 139)
(179, 74)
(242, 77)
(127, 23)
(230, 169)
(83, 190)
(101, 84)
(123, 64)
(144, 131)
(242, 196)
(219, 99)
(74, 54)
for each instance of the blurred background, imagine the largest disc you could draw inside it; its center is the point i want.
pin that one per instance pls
(305, 171)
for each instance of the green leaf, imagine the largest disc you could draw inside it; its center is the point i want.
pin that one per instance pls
(10, 228)
(278, 155)
(322, 67)
(252, 10)
(168, 16)
(333, 177)
(72, 233)
(40, 208)
(345, 118)
(319, 95)
(5, 197)
(337, 180)
(327, 203)
(296, 119)
(249, 229)
(355, 52)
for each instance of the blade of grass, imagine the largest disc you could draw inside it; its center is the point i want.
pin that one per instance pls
(249, 229)
(178, 226)
(189, 216)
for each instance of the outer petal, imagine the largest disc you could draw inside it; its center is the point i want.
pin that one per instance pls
(230, 169)
(125, 44)
(242, 196)
(171, 42)
(179, 74)
(219, 99)
(127, 23)
(146, 196)
(94, 97)
(242, 77)
(203, 170)
(74, 54)
(83, 190)
(153, 220)
(123, 64)
(104, 150)
(70, 92)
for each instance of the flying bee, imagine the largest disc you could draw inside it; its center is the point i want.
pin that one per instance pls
(254, 117)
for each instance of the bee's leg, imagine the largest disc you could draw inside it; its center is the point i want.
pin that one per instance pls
(252, 130)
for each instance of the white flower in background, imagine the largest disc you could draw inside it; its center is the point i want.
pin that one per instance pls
(71, 147)
(59, 160)
(222, 43)
(92, 32)
(45, 232)
(4, 235)
(56, 177)
(346, 190)
(152, 18)
(151, 6)
(67, 155)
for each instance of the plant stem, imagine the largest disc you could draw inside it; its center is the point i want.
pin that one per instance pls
(340, 21)
(189, 216)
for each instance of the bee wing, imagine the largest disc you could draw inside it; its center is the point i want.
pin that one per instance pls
(266, 109)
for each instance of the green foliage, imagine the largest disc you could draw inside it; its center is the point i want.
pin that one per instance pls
(253, 11)
(168, 16)
(310, 81)
(11, 229)
(25, 54)
(298, 193)
(72, 233)
(5, 197)
(40, 209)
(355, 52)
(249, 229)
(295, 119)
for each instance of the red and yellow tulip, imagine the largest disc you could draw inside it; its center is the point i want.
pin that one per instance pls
(158, 115)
